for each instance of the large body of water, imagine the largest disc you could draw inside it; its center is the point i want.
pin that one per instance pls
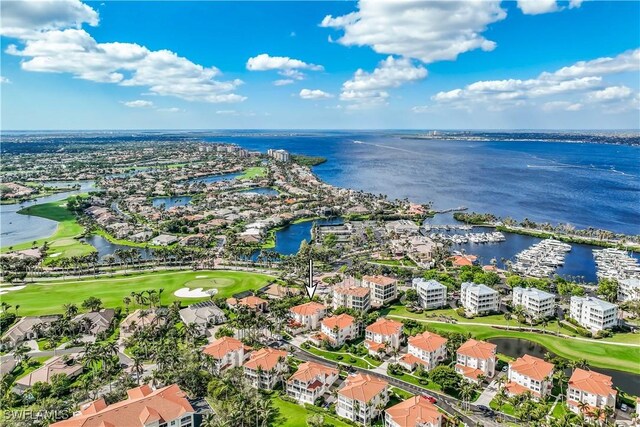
(583, 184)
(516, 347)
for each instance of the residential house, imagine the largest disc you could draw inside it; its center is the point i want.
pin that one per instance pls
(431, 293)
(593, 313)
(590, 388)
(427, 349)
(310, 382)
(136, 321)
(164, 240)
(227, 352)
(96, 322)
(383, 335)
(383, 289)
(536, 303)
(479, 299)
(338, 329)
(416, 411)
(308, 315)
(362, 397)
(266, 367)
(144, 407)
(53, 366)
(529, 373)
(475, 358)
(205, 314)
(24, 330)
(252, 302)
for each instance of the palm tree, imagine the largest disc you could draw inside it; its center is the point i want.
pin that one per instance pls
(137, 367)
(507, 317)
(70, 310)
(562, 378)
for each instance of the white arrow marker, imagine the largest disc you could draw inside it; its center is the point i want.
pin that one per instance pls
(311, 288)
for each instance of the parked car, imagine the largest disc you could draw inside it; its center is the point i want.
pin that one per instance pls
(624, 407)
(430, 398)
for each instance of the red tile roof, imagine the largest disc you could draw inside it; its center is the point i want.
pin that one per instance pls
(142, 406)
(341, 321)
(414, 411)
(532, 367)
(308, 309)
(592, 382)
(222, 346)
(356, 291)
(427, 341)
(478, 349)
(380, 280)
(311, 370)
(385, 326)
(265, 359)
(362, 387)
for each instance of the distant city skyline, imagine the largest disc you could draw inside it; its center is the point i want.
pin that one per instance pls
(370, 64)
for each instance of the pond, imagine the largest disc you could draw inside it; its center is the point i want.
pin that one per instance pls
(265, 191)
(517, 347)
(17, 228)
(105, 247)
(171, 201)
(208, 179)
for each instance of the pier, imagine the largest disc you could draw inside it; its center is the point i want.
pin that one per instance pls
(542, 259)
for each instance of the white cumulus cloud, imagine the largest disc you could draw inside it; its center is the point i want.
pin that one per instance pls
(264, 62)
(138, 103)
(428, 31)
(51, 40)
(314, 94)
(283, 82)
(3, 79)
(537, 7)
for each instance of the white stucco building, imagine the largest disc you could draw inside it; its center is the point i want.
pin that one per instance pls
(536, 303)
(479, 299)
(593, 313)
(431, 293)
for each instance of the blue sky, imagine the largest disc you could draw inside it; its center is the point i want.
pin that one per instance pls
(366, 64)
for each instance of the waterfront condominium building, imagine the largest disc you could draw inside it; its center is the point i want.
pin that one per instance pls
(536, 303)
(431, 294)
(307, 315)
(362, 397)
(144, 407)
(475, 358)
(336, 330)
(310, 382)
(479, 299)
(628, 289)
(354, 297)
(592, 388)
(383, 289)
(415, 411)
(529, 373)
(593, 313)
(427, 349)
(279, 155)
(383, 335)
(266, 367)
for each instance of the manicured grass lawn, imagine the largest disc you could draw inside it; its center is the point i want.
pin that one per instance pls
(253, 172)
(430, 385)
(559, 410)
(598, 355)
(402, 393)
(61, 242)
(294, 415)
(49, 297)
(347, 358)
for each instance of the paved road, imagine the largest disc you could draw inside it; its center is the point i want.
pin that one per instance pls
(445, 402)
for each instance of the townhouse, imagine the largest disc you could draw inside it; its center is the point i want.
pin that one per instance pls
(593, 313)
(336, 330)
(307, 316)
(413, 412)
(353, 297)
(536, 303)
(431, 293)
(226, 352)
(310, 382)
(383, 335)
(427, 349)
(266, 367)
(144, 407)
(361, 398)
(529, 373)
(479, 299)
(591, 388)
(475, 358)
(383, 289)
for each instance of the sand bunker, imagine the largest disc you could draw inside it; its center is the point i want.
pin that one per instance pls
(7, 289)
(201, 277)
(194, 293)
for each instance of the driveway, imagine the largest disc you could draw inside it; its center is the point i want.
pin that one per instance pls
(490, 392)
